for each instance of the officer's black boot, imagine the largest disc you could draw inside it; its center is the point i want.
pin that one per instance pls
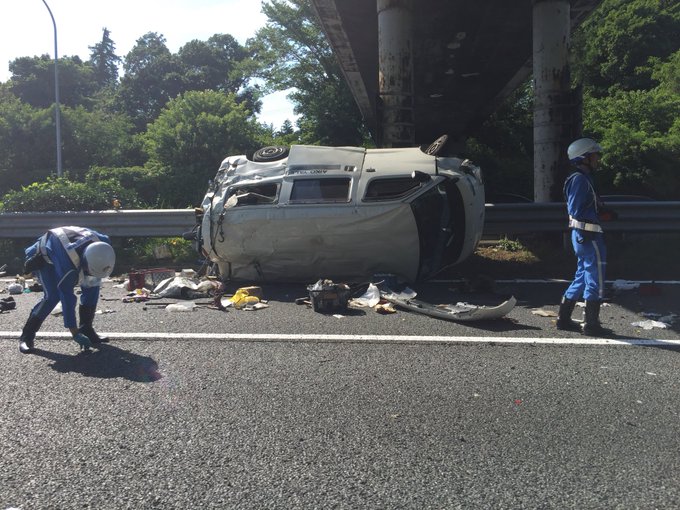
(592, 326)
(28, 334)
(86, 314)
(564, 321)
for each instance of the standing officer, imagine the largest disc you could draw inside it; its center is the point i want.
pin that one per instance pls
(61, 259)
(585, 212)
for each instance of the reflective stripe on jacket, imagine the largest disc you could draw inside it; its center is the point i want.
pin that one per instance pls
(71, 239)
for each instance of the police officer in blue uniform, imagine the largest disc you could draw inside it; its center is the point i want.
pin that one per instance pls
(585, 214)
(61, 259)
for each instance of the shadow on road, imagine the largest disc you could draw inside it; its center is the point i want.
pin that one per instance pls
(106, 362)
(501, 325)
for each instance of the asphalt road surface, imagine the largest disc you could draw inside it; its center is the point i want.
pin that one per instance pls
(287, 408)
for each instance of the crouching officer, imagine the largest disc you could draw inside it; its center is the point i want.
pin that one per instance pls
(585, 215)
(61, 259)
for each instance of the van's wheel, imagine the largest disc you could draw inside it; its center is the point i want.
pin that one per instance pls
(271, 153)
(436, 146)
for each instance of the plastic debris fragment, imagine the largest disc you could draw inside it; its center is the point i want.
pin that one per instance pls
(15, 288)
(370, 298)
(649, 324)
(256, 306)
(245, 296)
(181, 307)
(385, 308)
(543, 313)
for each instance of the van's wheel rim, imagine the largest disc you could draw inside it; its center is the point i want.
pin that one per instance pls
(271, 153)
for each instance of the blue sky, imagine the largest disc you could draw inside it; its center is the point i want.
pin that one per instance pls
(26, 29)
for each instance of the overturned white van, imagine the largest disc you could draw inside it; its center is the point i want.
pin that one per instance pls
(341, 213)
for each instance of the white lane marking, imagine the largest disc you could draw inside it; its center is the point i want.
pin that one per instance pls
(558, 280)
(282, 337)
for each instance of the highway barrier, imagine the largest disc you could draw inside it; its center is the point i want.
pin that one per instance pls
(500, 219)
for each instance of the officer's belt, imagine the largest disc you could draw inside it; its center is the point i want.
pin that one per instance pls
(582, 225)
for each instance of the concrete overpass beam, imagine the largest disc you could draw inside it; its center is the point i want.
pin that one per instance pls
(395, 75)
(552, 111)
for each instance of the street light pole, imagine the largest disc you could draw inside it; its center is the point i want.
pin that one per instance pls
(56, 93)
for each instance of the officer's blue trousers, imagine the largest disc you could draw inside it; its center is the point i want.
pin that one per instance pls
(591, 255)
(48, 279)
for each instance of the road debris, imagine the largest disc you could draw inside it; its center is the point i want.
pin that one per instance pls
(148, 278)
(137, 296)
(327, 296)
(369, 299)
(650, 324)
(543, 313)
(17, 287)
(243, 298)
(181, 307)
(185, 288)
(385, 308)
(459, 311)
(7, 304)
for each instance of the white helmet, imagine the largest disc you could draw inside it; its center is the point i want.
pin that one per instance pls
(99, 259)
(581, 148)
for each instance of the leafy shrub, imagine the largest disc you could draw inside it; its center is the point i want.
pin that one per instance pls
(61, 194)
(143, 250)
(144, 182)
(506, 244)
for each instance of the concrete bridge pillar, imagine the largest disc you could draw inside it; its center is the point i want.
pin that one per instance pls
(395, 74)
(552, 98)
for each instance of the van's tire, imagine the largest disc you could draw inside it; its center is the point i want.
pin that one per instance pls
(435, 147)
(270, 153)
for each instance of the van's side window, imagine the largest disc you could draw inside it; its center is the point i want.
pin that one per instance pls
(333, 189)
(255, 194)
(390, 188)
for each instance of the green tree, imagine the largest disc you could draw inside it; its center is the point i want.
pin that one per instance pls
(32, 81)
(190, 138)
(640, 133)
(291, 52)
(287, 135)
(212, 65)
(152, 77)
(217, 64)
(627, 61)
(27, 142)
(616, 47)
(95, 138)
(104, 61)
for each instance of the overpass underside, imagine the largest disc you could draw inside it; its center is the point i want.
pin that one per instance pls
(422, 68)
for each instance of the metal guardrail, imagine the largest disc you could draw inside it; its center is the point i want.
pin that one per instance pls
(122, 223)
(648, 216)
(500, 219)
